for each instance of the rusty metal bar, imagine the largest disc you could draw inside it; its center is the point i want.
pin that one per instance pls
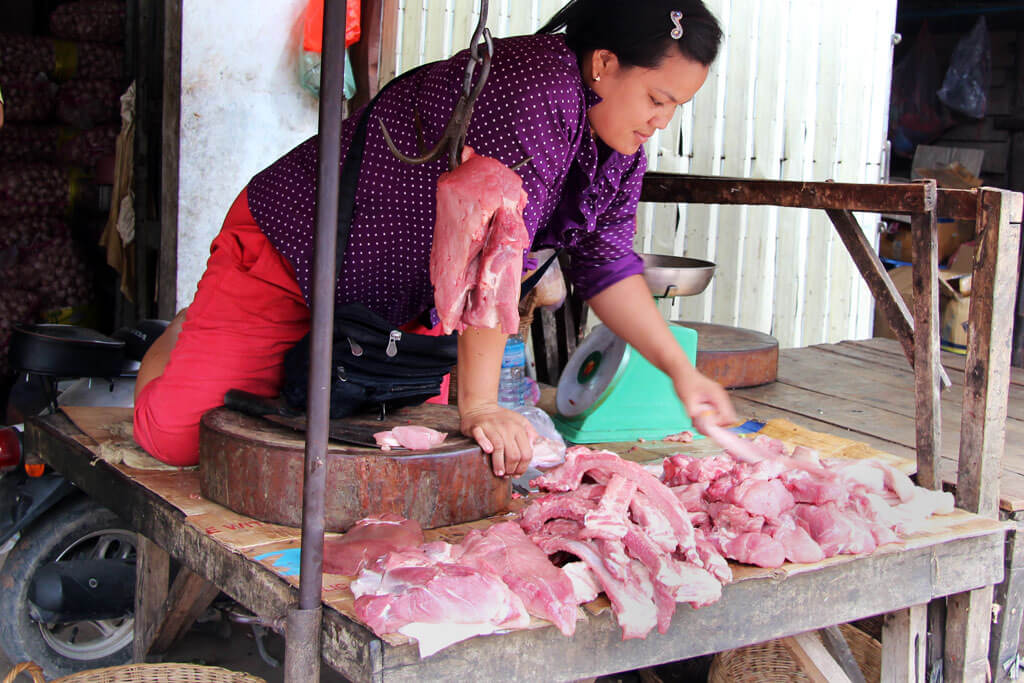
(302, 654)
(927, 365)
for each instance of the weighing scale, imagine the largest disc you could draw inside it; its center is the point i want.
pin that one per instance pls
(608, 391)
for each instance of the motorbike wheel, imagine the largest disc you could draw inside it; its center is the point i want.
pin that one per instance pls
(78, 528)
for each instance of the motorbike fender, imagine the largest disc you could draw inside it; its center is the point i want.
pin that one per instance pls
(23, 499)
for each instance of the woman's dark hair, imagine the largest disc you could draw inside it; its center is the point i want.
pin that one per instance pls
(638, 31)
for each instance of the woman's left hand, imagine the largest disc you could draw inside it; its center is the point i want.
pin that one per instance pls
(505, 434)
(700, 394)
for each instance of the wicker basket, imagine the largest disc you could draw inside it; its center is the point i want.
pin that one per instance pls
(772, 662)
(139, 673)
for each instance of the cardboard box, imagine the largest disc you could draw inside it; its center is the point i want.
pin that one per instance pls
(898, 246)
(954, 302)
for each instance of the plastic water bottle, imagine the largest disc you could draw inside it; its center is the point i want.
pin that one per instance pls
(513, 368)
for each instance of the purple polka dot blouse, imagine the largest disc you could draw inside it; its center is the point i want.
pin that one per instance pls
(582, 195)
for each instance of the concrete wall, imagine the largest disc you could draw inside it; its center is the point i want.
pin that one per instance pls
(241, 108)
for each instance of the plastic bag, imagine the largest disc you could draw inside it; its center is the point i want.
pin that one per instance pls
(312, 46)
(548, 447)
(916, 116)
(965, 88)
(551, 286)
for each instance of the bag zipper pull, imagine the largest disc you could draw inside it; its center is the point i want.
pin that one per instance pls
(356, 349)
(393, 340)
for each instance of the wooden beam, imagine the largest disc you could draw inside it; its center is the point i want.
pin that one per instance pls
(672, 187)
(968, 618)
(366, 54)
(904, 634)
(814, 660)
(834, 641)
(987, 368)
(152, 576)
(927, 366)
(189, 597)
(1009, 596)
(167, 269)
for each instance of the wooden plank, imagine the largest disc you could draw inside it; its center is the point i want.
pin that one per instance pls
(1009, 596)
(927, 368)
(167, 269)
(367, 57)
(834, 641)
(250, 583)
(152, 577)
(389, 30)
(785, 607)
(951, 361)
(987, 367)
(189, 597)
(815, 661)
(968, 617)
(904, 634)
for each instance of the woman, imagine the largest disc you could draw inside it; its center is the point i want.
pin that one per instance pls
(579, 105)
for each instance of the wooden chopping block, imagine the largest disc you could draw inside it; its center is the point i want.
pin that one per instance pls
(255, 468)
(735, 357)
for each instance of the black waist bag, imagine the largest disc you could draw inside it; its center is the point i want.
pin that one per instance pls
(375, 366)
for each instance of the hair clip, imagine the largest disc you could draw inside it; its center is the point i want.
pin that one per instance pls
(676, 16)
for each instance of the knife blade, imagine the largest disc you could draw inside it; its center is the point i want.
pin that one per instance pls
(274, 410)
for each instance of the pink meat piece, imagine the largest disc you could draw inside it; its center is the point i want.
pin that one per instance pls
(581, 461)
(769, 499)
(367, 541)
(584, 585)
(860, 473)
(437, 593)
(613, 554)
(504, 550)
(479, 240)
(710, 558)
(631, 600)
(718, 490)
(654, 522)
(608, 519)
(494, 302)
(755, 548)
(816, 490)
(732, 520)
(682, 469)
(806, 454)
(685, 436)
(555, 506)
(769, 444)
(691, 496)
(798, 544)
(413, 437)
(835, 531)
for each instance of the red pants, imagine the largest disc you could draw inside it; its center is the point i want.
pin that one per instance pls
(247, 312)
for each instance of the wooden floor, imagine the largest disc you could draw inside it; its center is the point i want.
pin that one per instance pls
(864, 390)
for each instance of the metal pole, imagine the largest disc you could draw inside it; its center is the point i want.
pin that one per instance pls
(302, 653)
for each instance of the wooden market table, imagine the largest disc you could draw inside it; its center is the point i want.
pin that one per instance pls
(243, 558)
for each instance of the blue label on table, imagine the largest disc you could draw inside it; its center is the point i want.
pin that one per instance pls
(285, 562)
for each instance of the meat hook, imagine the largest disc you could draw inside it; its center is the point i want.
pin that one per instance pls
(453, 139)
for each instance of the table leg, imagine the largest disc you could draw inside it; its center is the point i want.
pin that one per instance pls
(189, 597)
(152, 577)
(1009, 595)
(968, 620)
(904, 640)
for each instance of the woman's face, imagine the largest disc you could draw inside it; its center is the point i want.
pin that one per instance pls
(635, 101)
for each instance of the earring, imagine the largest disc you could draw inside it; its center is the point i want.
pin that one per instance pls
(597, 78)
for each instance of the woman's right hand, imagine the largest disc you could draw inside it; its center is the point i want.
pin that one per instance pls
(505, 434)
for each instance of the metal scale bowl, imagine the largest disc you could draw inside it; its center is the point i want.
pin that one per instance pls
(608, 391)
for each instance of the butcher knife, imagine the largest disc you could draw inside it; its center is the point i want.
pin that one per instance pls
(275, 410)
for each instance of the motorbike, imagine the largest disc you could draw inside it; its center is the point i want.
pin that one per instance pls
(69, 574)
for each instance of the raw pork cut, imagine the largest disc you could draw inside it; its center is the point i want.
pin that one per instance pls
(476, 260)
(410, 588)
(369, 540)
(413, 437)
(505, 551)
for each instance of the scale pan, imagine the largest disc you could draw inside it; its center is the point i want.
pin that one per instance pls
(676, 275)
(592, 368)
